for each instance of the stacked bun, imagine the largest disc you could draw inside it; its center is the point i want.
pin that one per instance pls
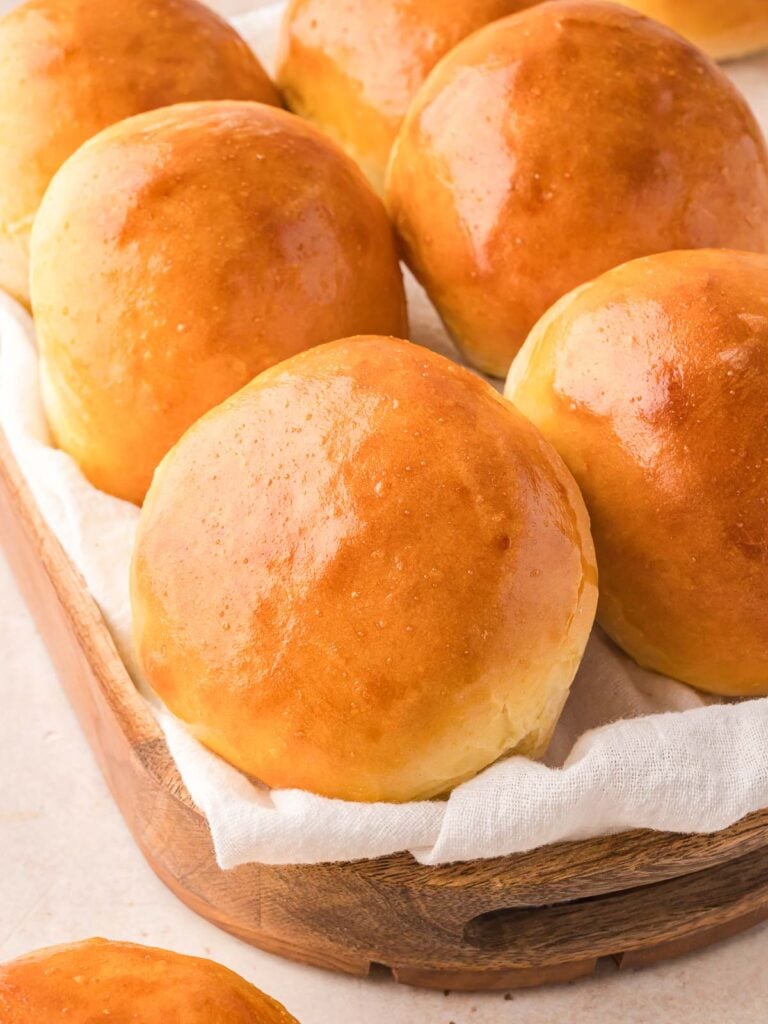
(652, 383)
(555, 144)
(69, 68)
(722, 28)
(119, 981)
(179, 253)
(353, 68)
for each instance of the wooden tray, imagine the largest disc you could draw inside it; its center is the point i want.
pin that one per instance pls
(505, 923)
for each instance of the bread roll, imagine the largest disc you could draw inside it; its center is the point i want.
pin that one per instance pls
(555, 144)
(365, 575)
(353, 68)
(181, 252)
(69, 68)
(722, 28)
(652, 383)
(121, 982)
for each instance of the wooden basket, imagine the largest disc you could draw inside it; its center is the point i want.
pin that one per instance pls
(505, 923)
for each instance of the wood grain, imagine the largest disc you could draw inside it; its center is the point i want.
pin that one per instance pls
(516, 921)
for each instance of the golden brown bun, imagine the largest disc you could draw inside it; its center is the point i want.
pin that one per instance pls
(365, 575)
(181, 252)
(652, 383)
(353, 68)
(121, 982)
(555, 144)
(69, 68)
(722, 28)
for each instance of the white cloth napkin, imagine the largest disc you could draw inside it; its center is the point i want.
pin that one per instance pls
(632, 750)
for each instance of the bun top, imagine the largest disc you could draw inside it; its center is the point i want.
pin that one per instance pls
(365, 575)
(119, 981)
(603, 137)
(722, 28)
(652, 383)
(179, 253)
(353, 68)
(69, 68)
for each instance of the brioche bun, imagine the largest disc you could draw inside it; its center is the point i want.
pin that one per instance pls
(353, 68)
(178, 254)
(722, 28)
(559, 142)
(120, 981)
(365, 575)
(652, 383)
(69, 68)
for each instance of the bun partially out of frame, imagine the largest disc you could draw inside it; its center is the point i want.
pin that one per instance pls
(69, 68)
(722, 28)
(118, 981)
(353, 68)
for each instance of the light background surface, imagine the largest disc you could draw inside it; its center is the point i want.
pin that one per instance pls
(60, 882)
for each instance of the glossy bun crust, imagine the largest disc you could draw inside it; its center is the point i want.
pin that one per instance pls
(722, 28)
(652, 383)
(69, 68)
(560, 142)
(121, 982)
(353, 68)
(181, 252)
(365, 575)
